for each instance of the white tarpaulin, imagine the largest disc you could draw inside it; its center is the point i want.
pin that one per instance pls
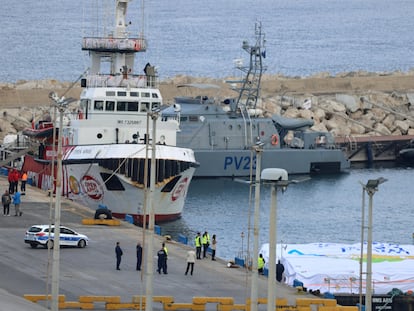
(333, 267)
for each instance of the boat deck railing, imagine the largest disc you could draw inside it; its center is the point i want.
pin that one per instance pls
(136, 81)
(110, 44)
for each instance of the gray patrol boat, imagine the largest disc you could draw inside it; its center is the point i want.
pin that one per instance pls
(227, 136)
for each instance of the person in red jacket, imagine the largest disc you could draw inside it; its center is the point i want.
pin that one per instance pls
(10, 179)
(15, 179)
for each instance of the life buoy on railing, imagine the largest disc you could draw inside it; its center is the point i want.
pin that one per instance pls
(137, 46)
(274, 140)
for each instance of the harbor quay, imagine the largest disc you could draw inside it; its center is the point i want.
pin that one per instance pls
(90, 273)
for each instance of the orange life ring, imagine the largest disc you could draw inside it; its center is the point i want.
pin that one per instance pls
(274, 140)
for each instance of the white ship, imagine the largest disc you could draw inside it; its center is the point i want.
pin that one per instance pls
(109, 137)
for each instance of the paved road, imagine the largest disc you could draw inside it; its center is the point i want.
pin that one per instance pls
(91, 271)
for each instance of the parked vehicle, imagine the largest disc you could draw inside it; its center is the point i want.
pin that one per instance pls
(40, 235)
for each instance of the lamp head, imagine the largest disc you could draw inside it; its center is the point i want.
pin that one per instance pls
(374, 183)
(274, 174)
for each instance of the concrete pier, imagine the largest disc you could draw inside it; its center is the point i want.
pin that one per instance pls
(91, 271)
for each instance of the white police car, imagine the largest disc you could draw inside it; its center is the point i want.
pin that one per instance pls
(39, 235)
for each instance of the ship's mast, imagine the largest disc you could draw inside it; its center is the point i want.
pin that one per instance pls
(249, 91)
(117, 47)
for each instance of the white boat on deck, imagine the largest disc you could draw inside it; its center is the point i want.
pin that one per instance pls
(107, 138)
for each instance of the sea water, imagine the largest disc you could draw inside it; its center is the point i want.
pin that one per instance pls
(320, 209)
(42, 40)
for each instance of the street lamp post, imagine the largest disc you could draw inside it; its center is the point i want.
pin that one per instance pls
(61, 104)
(371, 187)
(277, 178)
(255, 276)
(150, 264)
(361, 259)
(242, 244)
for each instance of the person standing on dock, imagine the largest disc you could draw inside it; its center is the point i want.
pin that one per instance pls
(139, 256)
(16, 202)
(166, 257)
(213, 247)
(23, 183)
(118, 253)
(15, 180)
(191, 256)
(10, 180)
(280, 268)
(260, 264)
(197, 242)
(6, 200)
(161, 261)
(206, 243)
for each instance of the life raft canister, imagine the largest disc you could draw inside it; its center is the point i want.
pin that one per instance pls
(80, 114)
(274, 140)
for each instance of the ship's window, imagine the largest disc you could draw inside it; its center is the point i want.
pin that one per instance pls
(171, 184)
(183, 119)
(99, 135)
(112, 183)
(122, 93)
(145, 94)
(193, 118)
(134, 94)
(110, 105)
(144, 107)
(110, 93)
(98, 105)
(121, 106)
(154, 95)
(132, 106)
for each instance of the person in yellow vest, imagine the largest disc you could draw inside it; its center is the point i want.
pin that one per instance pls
(166, 257)
(260, 264)
(206, 243)
(23, 184)
(197, 242)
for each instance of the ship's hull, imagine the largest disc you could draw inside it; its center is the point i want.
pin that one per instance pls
(238, 163)
(93, 183)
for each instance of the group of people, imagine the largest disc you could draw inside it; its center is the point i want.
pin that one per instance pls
(6, 201)
(13, 195)
(13, 178)
(202, 244)
(162, 257)
(280, 268)
(119, 253)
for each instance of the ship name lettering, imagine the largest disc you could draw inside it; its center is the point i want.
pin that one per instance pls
(239, 163)
(128, 122)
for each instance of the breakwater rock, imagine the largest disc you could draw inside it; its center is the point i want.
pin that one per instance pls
(357, 103)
